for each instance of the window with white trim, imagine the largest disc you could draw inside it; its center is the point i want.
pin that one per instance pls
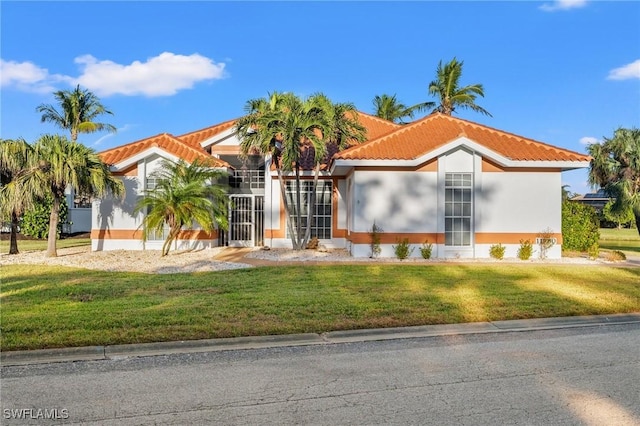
(322, 218)
(458, 208)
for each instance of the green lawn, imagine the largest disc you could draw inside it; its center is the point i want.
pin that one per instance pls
(626, 240)
(33, 245)
(48, 307)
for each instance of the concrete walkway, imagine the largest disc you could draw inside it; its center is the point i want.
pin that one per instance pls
(90, 353)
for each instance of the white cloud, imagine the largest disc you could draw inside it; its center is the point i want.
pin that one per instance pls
(625, 72)
(162, 75)
(563, 5)
(589, 140)
(28, 77)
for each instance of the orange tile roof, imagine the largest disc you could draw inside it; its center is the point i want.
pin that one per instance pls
(164, 141)
(376, 126)
(416, 139)
(196, 137)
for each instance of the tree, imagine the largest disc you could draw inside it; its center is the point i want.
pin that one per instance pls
(289, 129)
(446, 88)
(61, 164)
(78, 111)
(620, 218)
(16, 156)
(389, 108)
(579, 226)
(184, 193)
(282, 126)
(615, 166)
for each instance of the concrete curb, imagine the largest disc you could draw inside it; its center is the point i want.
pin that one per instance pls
(93, 353)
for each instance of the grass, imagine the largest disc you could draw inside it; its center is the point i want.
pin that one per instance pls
(48, 306)
(626, 240)
(35, 245)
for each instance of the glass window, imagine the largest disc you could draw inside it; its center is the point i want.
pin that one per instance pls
(458, 207)
(321, 224)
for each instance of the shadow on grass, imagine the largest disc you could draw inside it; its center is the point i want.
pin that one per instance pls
(58, 306)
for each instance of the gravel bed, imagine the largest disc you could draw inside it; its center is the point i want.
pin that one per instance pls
(341, 255)
(147, 261)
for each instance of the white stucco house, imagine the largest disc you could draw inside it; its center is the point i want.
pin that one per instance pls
(458, 185)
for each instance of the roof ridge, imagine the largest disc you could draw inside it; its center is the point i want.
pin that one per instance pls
(380, 119)
(133, 143)
(208, 128)
(514, 136)
(401, 129)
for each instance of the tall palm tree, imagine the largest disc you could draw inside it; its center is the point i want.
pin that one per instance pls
(61, 164)
(446, 88)
(389, 108)
(283, 126)
(78, 111)
(184, 193)
(615, 166)
(16, 158)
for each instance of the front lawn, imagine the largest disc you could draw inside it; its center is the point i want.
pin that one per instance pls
(39, 245)
(48, 307)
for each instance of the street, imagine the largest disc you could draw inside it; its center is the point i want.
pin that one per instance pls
(577, 376)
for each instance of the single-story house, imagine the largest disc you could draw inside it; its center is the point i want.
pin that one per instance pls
(458, 185)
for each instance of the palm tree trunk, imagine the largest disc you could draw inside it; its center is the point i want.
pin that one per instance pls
(312, 205)
(287, 210)
(54, 218)
(299, 238)
(173, 233)
(637, 216)
(13, 245)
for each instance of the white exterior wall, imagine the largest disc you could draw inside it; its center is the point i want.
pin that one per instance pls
(396, 201)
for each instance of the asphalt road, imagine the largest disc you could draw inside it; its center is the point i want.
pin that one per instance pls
(578, 376)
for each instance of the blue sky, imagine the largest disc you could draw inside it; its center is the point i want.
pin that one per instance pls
(562, 72)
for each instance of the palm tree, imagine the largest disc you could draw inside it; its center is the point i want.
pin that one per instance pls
(16, 157)
(446, 88)
(282, 126)
(62, 163)
(615, 166)
(389, 108)
(184, 193)
(78, 110)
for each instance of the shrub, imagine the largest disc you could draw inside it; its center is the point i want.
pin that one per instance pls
(545, 240)
(594, 251)
(402, 249)
(35, 222)
(426, 250)
(579, 226)
(526, 250)
(313, 243)
(496, 251)
(375, 240)
(615, 256)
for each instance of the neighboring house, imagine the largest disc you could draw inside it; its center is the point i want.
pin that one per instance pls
(597, 200)
(456, 184)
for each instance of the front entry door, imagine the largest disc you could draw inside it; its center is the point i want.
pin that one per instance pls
(245, 220)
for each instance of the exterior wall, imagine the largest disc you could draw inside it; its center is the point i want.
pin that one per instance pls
(508, 206)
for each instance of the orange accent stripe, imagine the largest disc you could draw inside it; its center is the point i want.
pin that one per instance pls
(135, 234)
(131, 171)
(509, 238)
(393, 238)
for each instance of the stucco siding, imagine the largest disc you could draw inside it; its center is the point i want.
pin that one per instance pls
(396, 201)
(519, 202)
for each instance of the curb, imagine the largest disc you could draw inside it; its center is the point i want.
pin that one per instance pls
(94, 353)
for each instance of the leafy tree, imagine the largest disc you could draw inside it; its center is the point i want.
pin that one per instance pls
(579, 226)
(389, 108)
(184, 193)
(620, 218)
(16, 157)
(35, 220)
(78, 110)
(61, 164)
(450, 96)
(615, 166)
